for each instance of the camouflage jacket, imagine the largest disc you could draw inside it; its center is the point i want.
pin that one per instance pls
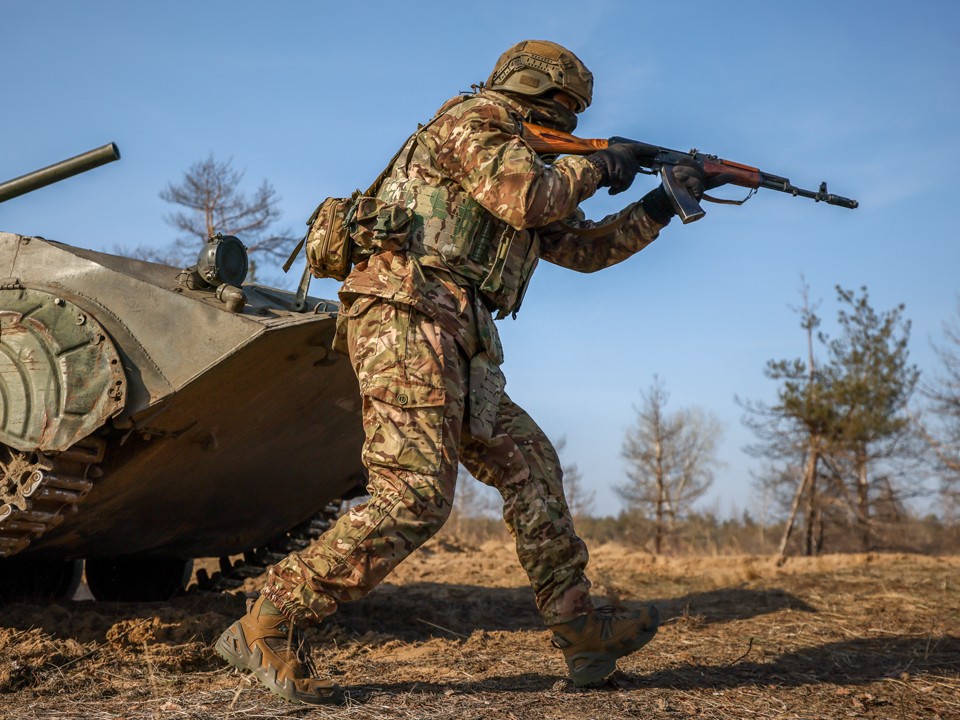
(486, 209)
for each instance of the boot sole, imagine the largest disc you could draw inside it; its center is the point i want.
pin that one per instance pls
(232, 646)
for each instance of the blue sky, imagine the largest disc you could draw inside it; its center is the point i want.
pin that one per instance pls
(316, 97)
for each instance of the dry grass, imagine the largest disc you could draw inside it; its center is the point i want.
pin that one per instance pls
(455, 635)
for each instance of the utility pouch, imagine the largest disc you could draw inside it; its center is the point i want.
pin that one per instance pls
(487, 383)
(381, 226)
(517, 255)
(487, 332)
(328, 240)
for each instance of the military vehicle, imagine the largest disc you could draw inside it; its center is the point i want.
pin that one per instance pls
(150, 415)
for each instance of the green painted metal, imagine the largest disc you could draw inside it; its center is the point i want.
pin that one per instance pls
(231, 425)
(60, 375)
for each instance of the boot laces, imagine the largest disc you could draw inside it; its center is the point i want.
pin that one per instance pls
(607, 615)
(295, 650)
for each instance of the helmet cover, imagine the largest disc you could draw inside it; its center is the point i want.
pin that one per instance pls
(534, 67)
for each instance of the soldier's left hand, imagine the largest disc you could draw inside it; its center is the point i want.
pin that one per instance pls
(690, 176)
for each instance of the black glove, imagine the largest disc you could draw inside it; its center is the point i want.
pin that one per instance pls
(656, 203)
(690, 175)
(618, 166)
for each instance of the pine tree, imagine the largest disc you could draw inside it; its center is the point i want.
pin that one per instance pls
(795, 434)
(839, 426)
(872, 384)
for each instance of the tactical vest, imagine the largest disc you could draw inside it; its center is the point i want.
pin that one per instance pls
(452, 231)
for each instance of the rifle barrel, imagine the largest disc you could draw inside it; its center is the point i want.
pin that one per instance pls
(775, 182)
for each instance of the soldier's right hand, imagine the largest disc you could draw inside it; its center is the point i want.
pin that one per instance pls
(618, 166)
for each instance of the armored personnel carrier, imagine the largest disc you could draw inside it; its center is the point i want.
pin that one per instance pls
(150, 415)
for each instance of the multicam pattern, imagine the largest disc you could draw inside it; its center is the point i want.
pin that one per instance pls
(412, 379)
(471, 158)
(486, 209)
(522, 464)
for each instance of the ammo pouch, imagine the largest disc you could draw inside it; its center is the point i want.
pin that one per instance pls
(517, 255)
(381, 226)
(329, 239)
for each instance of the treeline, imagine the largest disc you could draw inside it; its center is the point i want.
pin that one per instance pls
(706, 534)
(852, 444)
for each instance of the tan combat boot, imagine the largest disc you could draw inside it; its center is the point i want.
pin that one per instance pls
(592, 643)
(264, 642)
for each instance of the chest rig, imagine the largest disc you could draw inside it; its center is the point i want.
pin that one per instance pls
(452, 231)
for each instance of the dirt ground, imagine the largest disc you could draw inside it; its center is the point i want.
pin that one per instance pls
(455, 635)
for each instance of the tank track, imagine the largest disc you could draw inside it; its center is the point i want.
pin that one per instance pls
(37, 490)
(233, 573)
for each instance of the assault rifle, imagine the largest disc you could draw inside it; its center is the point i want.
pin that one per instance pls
(655, 159)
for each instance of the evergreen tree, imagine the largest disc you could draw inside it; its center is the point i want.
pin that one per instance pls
(872, 384)
(839, 428)
(795, 434)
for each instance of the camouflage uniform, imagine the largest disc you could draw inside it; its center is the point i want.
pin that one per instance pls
(417, 323)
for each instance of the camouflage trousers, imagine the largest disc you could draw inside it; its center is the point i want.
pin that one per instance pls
(413, 381)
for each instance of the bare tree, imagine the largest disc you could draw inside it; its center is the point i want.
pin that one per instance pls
(944, 397)
(671, 460)
(579, 499)
(211, 201)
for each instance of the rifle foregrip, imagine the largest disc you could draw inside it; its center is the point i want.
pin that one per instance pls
(685, 204)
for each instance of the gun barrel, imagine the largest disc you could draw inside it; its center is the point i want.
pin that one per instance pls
(59, 171)
(823, 196)
(775, 182)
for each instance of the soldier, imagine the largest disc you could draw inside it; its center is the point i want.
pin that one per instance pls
(478, 209)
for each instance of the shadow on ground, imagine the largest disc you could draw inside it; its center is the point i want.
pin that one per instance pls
(412, 613)
(855, 662)
(850, 662)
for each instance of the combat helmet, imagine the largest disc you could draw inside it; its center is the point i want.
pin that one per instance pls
(534, 67)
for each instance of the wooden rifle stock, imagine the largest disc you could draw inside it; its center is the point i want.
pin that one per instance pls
(545, 141)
